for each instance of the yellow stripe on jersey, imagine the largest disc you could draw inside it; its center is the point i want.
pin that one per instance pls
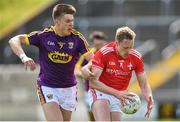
(48, 30)
(81, 59)
(38, 32)
(84, 41)
(28, 35)
(41, 96)
(26, 39)
(53, 29)
(93, 50)
(82, 38)
(33, 33)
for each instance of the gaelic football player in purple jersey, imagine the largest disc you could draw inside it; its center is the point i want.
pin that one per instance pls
(59, 49)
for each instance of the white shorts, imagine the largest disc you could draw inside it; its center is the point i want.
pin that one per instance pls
(114, 103)
(64, 97)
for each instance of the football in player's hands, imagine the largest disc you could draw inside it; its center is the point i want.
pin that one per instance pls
(131, 106)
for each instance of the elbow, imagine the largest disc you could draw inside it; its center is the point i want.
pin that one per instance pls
(10, 41)
(17, 39)
(13, 40)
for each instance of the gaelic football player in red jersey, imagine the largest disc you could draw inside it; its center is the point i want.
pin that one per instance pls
(112, 68)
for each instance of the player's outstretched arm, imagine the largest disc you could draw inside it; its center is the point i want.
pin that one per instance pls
(146, 91)
(16, 45)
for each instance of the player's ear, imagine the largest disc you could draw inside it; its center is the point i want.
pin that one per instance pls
(57, 20)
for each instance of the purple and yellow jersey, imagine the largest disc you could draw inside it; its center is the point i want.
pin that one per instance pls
(57, 56)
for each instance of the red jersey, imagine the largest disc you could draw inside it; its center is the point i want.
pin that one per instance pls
(117, 71)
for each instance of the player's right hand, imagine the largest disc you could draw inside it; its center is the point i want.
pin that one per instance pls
(87, 73)
(28, 62)
(123, 96)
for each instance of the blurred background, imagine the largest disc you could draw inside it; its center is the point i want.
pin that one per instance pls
(156, 23)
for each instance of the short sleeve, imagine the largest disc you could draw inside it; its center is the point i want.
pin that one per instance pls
(98, 60)
(33, 38)
(83, 45)
(139, 66)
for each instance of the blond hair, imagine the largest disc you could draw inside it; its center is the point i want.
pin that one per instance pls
(125, 32)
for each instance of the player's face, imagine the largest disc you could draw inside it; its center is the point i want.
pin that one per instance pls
(98, 43)
(124, 46)
(65, 24)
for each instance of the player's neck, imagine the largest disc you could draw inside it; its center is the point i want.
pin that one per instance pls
(59, 31)
(121, 53)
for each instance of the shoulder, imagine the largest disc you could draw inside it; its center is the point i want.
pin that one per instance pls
(45, 31)
(134, 53)
(107, 49)
(77, 34)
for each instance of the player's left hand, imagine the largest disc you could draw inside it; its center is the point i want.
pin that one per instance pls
(149, 106)
(31, 64)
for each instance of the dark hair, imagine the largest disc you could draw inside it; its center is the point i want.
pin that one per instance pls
(61, 9)
(97, 35)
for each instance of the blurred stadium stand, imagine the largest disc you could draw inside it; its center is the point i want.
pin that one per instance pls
(156, 23)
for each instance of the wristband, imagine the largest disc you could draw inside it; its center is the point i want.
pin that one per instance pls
(21, 56)
(24, 58)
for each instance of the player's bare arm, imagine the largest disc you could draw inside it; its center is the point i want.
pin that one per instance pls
(16, 45)
(146, 91)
